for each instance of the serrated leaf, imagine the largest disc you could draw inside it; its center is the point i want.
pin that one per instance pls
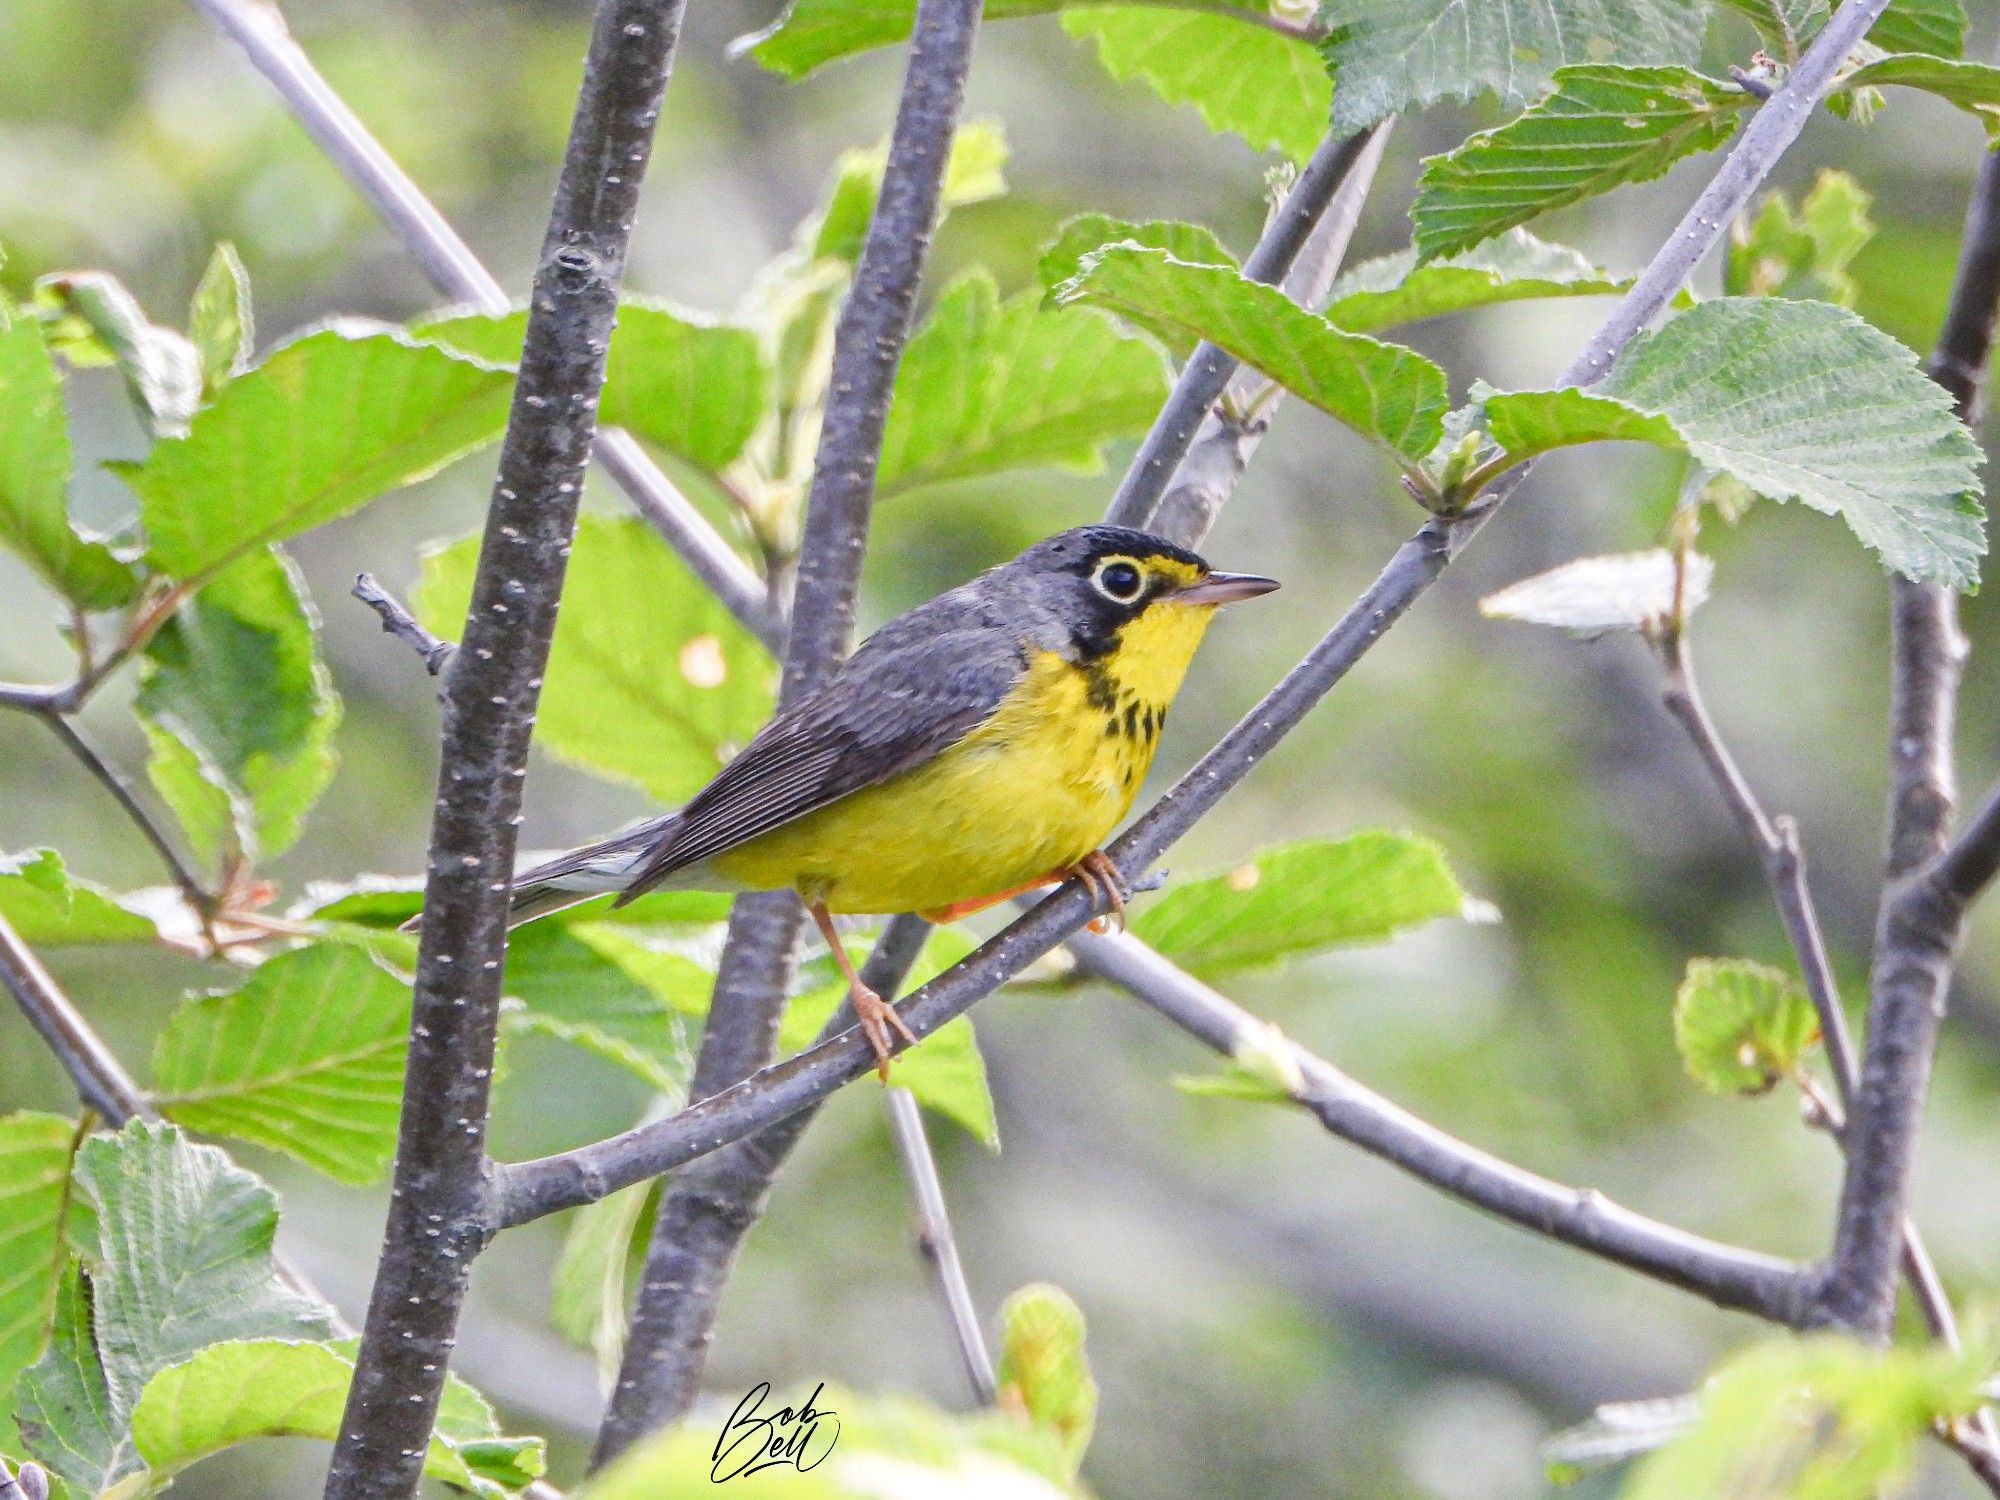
(34, 1190)
(650, 680)
(1392, 55)
(603, 989)
(859, 1448)
(1780, 253)
(1824, 1417)
(986, 386)
(1391, 395)
(1933, 26)
(1195, 244)
(1042, 1371)
(945, 1071)
(233, 1392)
(1600, 128)
(1973, 87)
(1510, 268)
(219, 320)
(588, 1290)
(1798, 400)
(1784, 26)
(1268, 87)
(1741, 1026)
(1592, 595)
(1616, 1431)
(34, 476)
(240, 710)
(1300, 898)
(322, 426)
(684, 382)
(161, 368)
(51, 908)
(180, 1258)
(305, 1058)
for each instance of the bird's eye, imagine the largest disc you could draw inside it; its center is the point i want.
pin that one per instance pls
(1120, 581)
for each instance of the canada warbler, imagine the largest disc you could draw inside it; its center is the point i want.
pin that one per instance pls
(983, 744)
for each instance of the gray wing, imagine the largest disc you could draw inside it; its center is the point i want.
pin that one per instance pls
(907, 695)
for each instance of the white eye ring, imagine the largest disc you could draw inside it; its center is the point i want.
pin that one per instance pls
(1130, 580)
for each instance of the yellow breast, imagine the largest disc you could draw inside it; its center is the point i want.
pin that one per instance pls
(1036, 787)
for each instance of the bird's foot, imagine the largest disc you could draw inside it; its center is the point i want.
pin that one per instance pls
(1108, 889)
(878, 1017)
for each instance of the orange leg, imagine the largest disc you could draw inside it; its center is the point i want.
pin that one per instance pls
(877, 1015)
(1106, 883)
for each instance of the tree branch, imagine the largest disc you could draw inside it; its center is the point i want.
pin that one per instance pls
(1922, 915)
(435, 653)
(449, 264)
(705, 1213)
(101, 1080)
(438, 1205)
(1208, 370)
(938, 1245)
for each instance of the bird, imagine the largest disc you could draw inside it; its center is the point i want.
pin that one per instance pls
(978, 746)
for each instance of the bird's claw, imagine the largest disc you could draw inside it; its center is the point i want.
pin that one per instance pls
(1108, 889)
(878, 1017)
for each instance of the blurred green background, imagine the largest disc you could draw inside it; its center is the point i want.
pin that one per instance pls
(1271, 1313)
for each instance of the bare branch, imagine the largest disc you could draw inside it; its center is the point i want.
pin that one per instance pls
(1922, 916)
(449, 264)
(1207, 371)
(939, 1245)
(438, 1204)
(101, 1080)
(435, 653)
(702, 1220)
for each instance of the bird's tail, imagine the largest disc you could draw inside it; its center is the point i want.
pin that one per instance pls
(566, 880)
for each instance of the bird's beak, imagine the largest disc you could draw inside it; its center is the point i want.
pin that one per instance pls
(1223, 588)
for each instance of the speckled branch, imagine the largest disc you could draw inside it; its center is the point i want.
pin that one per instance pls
(705, 1212)
(438, 1205)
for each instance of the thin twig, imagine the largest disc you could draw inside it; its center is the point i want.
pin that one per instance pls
(449, 264)
(701, 1223)
(436, 654)
(939, 1245)
(100, 1079)
(1208, 370)
(1922, 914)
(438, 1203)
(178, 867)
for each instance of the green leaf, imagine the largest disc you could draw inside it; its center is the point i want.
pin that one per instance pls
(1741, 1026)
(1514, 267)
(811, 33)
(1042, 1372)
(1269, 88)
(240, 710)
(860, 1448)
(1779, 253)
(1301, 898)
(1063, 260)
(232, 1392)
(181, 1259)
(97, 318)
(1616, 1431)
(1391, 55)
(34, 1192)
(1602, 127)
(684, 382)
(34, 476)
(1933, 26)
(219, 322)
(588, 1293)
(1592, 595)
(1798, 400)
(1973, 87)
(51, 908)
(1263, 1067)
(600, 987)
(1819, 1418)
(321, 427)
(651, 680)
(987, 386)
(305, 1058)
(973, 173)
(1784, 26)
(945, 1070)
(1392, 395)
